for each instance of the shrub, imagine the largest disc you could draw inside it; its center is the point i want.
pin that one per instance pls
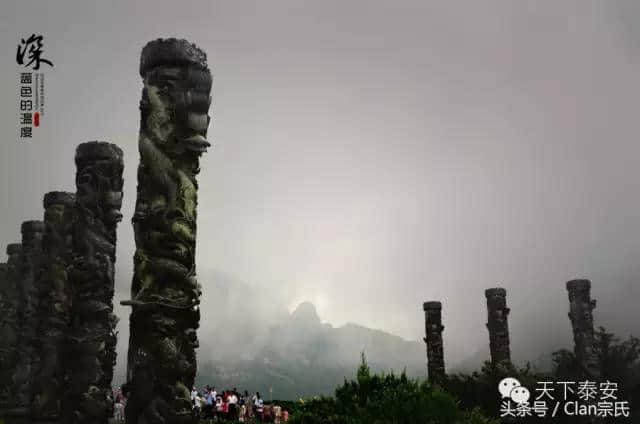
(385, 399)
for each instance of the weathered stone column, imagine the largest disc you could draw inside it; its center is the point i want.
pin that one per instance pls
(581, 315)
(433, 339)
(7, 331)
(54, 306)
(4, 306)
(165, 293)
(498, 325)
(32, 233)
(89, 400)
(9, 323)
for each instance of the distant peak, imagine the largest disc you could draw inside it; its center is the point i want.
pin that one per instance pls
(306, 312)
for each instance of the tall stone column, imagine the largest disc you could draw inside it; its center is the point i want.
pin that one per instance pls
(165, 294)
(433, 339)
(92, 341)
(498, 325)
(54, 306)
(4, 304)
(32, 233)
(7, 332)
(9, 323)
(581, 315)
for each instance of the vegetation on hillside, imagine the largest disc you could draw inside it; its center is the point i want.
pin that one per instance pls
(619, 362)
(384, 399)
(388, 398)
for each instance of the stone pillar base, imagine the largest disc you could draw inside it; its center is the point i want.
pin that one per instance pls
(15, 415)
(53, 419)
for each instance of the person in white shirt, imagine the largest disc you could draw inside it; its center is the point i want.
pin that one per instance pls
(219, 407)
(233, 406)
(197, 406)
(259, 406)
(233, 399)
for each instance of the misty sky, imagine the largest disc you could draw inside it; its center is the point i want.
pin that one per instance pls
(367, 155)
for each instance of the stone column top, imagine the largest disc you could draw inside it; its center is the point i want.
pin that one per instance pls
(171, 52)
(431, 305)
(580, 284)
(32, 227)
(14, 248)
(496, 291)
(98, 149)
(58, 198)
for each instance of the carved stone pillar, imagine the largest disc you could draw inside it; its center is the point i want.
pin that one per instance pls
(9, 323)
(5, 340)
(165, 293)
(498, 325)
(27, 360)
(92, 340)
(581, 315)
(54, 306)
(433, 339)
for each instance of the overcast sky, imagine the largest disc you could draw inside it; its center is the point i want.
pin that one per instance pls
(370, 155)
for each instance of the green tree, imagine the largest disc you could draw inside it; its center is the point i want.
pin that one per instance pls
(480, 388)
(385, 399)
(619, 362)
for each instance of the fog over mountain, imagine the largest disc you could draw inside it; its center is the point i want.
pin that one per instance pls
(249, 339)
(254, 342)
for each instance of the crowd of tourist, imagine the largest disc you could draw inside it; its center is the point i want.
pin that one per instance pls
(224, 406)
(233, 406)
